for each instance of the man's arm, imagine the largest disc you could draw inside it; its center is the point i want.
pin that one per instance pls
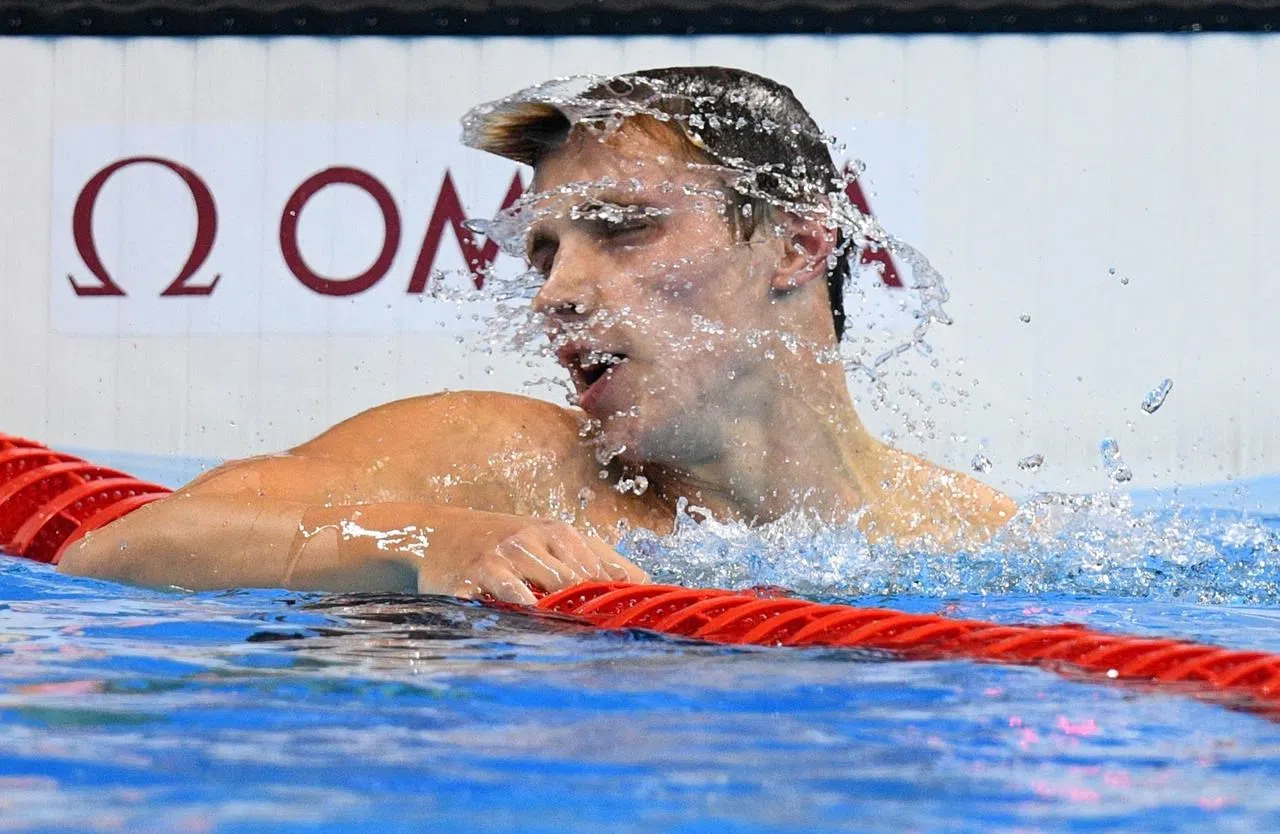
(323, 523)
(200, 541)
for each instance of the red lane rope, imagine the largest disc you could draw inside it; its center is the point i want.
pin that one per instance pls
(1247, 679)
(49, 500)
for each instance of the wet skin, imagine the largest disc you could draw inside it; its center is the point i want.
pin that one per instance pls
(703, 364)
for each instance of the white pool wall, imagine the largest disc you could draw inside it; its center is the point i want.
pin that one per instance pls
(1038, 173)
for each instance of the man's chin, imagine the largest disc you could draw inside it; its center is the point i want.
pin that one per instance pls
(612, 442)
(623, 438)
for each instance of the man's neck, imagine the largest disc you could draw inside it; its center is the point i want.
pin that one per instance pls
(805, 450)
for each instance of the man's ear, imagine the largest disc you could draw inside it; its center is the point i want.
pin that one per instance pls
(806, 245)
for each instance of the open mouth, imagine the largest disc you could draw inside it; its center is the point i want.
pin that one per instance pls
(593, 365)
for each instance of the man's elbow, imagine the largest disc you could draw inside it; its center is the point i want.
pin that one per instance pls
(123, 551)
(101, 554)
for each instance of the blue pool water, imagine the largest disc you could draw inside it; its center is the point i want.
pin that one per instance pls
(133, 710)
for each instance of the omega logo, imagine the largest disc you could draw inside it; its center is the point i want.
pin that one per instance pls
(206, 231)
(446, 213)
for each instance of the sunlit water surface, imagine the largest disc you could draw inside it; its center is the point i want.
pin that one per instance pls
(137, 710)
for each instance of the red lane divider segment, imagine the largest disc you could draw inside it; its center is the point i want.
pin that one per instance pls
(49, 500)
(1241, 678)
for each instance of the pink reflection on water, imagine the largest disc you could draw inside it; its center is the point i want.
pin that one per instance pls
(1118, 779)
(1071, 793)
(1085, 727)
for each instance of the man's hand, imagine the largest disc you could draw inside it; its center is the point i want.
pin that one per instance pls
(502, 553)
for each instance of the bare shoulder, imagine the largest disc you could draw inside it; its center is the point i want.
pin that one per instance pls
(446, 419)
(922, 500)
(480, 449)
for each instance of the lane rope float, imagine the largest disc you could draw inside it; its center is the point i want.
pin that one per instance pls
(49, 500)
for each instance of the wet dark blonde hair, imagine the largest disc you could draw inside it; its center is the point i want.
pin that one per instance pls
(727, 117)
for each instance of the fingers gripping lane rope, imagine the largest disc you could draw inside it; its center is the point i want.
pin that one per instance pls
(48, 500)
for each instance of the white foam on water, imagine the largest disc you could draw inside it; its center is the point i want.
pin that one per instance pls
(1093, 545)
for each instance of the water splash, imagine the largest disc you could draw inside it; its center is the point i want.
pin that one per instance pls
(861, 232)
(1031, 463)
(1087, 545)
(600, 105)
(884, 329)
(1115, 467)
(1156, 396)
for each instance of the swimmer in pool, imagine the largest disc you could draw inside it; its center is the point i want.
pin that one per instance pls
(693, 294)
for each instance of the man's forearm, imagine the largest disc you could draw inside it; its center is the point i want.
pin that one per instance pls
(214, 541)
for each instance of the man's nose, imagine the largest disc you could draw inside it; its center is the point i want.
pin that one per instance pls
(570, 290)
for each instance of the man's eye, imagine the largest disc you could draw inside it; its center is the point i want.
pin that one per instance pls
(541, 254)
(623, 226)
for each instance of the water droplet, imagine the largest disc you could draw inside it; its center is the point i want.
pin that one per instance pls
(1111, 271)
(637, 485)
(1155, 397)
(980, 463)
(1024, 318)
(1031, 463)
(1112, 463)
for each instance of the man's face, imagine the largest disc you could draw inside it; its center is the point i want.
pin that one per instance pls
(653, 302)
